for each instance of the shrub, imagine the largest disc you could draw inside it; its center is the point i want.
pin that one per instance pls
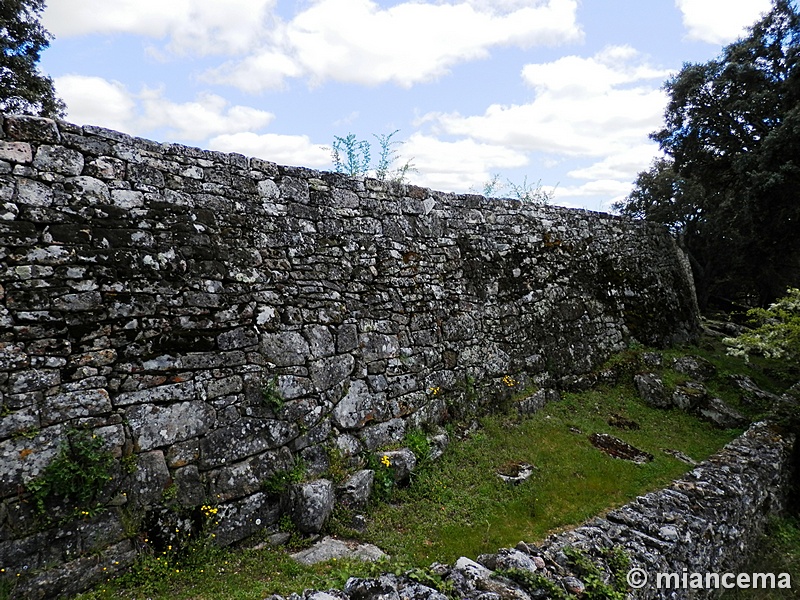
(776, 333)
(76, 476)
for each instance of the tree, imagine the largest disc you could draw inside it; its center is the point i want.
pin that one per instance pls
(776, 333)
(730, 185)
(23, 89)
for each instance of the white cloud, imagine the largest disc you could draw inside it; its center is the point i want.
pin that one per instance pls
(606, 191)
(582, 107)
(282, 149)
(208, 115)
(202, 27)
(624, 165)
(720, 21)
(97, 101)
(357, 41)
(456, 166)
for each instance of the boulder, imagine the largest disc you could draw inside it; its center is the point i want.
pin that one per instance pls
(403, 462)
(651, 390)
(329, 548)
(688, 396)
(721, 415)
(356, 490)
(508, 558)
(695, 367)
(311, 504)
(751, 393)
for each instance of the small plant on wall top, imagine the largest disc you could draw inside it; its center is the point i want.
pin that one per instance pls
(76, 476)
(351, 156)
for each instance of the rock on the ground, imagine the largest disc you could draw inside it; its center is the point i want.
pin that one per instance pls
(356, 489)
(329, 548)
(311, 504)
(721, 415)
(651, 389)
(695, 367)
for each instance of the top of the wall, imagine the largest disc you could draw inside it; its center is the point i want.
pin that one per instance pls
(19, 131)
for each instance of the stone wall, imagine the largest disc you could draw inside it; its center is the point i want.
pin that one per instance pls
(213, 318)
(703, 523)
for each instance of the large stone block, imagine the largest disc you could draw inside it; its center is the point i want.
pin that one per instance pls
(155, 426)
(359, 406)
(59, 160)
(311, 504)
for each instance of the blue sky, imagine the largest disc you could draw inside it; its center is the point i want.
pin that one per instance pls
(559, 91)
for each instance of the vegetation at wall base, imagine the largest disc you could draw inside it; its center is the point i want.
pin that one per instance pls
(76, 477)
(457, 506)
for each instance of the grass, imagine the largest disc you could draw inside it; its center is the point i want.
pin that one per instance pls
(457, 506)
(460, 508)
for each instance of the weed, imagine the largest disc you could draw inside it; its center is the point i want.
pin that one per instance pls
(433, 580)
(338, 464)
(592, 576)
(351, 156)
(129, 464)
(27, 434)
(271, 397)
(416, 441)
(169, 496)
(383, 483)
(388, 157)
(76, 476)
(277, 483)
(524, 192)
(535, 584)
(296, 540)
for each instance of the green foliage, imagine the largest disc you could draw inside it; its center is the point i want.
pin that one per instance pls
(23, 89)
(186, 546)
(729, 186)
(76, 476)
(277, 483)
(593, 577)
(777, 331)
(271, 397)
(383, 484)
(352, 156)
(429, 578)
(535, 584)
(338, 464)
(416, 441)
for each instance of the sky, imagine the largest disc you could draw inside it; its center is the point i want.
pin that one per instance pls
(557, 93)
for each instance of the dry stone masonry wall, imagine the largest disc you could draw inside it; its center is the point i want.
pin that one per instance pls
(213, 318)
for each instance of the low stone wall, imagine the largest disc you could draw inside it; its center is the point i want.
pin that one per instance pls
(214, 318)
(702, 523)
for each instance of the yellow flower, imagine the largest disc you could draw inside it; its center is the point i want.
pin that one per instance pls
(509, 381)
(385, 461)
